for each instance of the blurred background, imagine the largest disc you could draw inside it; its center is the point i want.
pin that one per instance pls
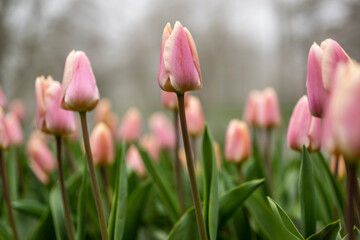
(242, 45)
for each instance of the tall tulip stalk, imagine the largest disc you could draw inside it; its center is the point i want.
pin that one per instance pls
(179, 72)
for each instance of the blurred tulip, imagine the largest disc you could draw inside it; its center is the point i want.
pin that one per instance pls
(131, 126)
(4, 132)
(179, 67)
(15, 132)
(333, 55)
(304, 129)
(134, 161)
(163, 130)
(151, 145)
(41, 175)
(79, 89)
(268, 109)
(169, 100)
(50, 118)
(194, 116)
(237, 142)
(252, 103)
(102, 145)
(3, 101)
(341, 169)
(18, 108)
(102, 110)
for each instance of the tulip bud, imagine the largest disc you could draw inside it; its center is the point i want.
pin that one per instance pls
(16, 136)
(317, 94)
(333, 54)
(3, 101)
(268, 110)
(4, 132)
(179, 67)
(163, 130)
(102, 145)
(131, 127)
(237, 142)
(134, 161)
(102, 110)
(194, 117)
(18, 108)
(151, 145)
(304, 129)
(252, 103)
(79, 89)
(50, 118)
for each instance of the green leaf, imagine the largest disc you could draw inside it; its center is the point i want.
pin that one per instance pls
(329, 232)
(233, 199)
(118, 212)
(45, 228)
(284, 218)
(5, 230)
(135, 205)
(162, 186)
(186, 227)
(57, 213)
(82, 203)
(12, 173)
(307, 195)
(29, 207)
(211, 202)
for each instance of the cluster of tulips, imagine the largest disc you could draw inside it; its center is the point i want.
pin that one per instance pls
(127, 162)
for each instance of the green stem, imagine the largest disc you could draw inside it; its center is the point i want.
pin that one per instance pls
(350, 185)
(268, 158)
(94, 183)
(64, 196)
(178, 169)
(191, 170)
(7, 196)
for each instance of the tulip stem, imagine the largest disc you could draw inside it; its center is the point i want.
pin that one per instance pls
(64, 196)
(336, 170)
(267, 156)
(350, 187)
(191, 170)
(7, 196)
(94, 183)
(178, 169)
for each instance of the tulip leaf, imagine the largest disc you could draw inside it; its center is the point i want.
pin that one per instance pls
(162, 186)
(135, 205)
(186, 227)
(118, 211)
(211, 202)
(307, 195)
(29, 207)
(12, 173)
(57, 213)
(329, 232)
(82, 203)
(45, 228)
(5, 230)
(284, 218)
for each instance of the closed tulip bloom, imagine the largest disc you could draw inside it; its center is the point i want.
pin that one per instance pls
(151, 145)
(251, 106)
(316, 92)
(134, 161)
(179, 66)
(79, 89)
(333, 55)
(194, 116)
(162, 128)
(3, 101)
(41, 175)
(50, 118)
(4, 131)
(268, 110)
(15, 132)
(102, 145)
(304, 129)
(102, 110)
(237, 142)
(18, 108)
(131, 126)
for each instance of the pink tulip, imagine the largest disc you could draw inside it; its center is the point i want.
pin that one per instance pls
(50, 118)
(134, 161)
(3, 101)
(317, 94)
(268, 113)
(102, 110)
(18, 108)
(179, 67)
(131, 126)
(4, 132)
(15, 132)
(333, 54)
(41, 175)
(79, 89)
(237, 142)
(304, 129)
(170, 101)
(252, 103)
(163, 130)
(102, 145)
(151, 145)
(194, 117)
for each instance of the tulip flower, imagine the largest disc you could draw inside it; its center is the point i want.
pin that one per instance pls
(251, 106)
(15, 133)
(79, 89)
(161, 127)
(179, 67)
(102, 145)
(151, 145)
(18, 108)
(131, 126)
(50, 118)
(134, 161)
(237, 142)
(194, 116)
(268, 113)
(102, 110)
(3, 101)
(304, 129)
